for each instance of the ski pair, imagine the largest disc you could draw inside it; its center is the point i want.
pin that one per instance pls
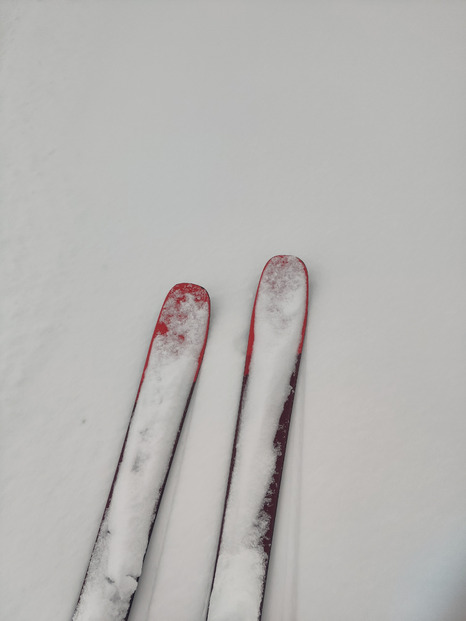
(276, 335)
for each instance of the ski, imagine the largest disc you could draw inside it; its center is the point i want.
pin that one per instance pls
(273, 355)
(169, 375)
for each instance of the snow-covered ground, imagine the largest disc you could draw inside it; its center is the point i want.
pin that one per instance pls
(145, 144)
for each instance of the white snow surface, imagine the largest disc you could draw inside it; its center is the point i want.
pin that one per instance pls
(149, 143)
(116, 562)
(278, 325)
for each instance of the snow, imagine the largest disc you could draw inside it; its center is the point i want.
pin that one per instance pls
(149, 143)
(171, 369)
(280, 312)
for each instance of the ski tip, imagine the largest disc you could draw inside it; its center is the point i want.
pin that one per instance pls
(278, 270)
(293, 265)
(186, 308)
(286, 264)
(181, 289)
(286, 260)
(183, 301)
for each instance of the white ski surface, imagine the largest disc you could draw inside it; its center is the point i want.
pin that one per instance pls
(241, 565)
(116, 562)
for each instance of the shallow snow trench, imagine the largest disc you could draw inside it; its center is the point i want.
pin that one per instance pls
(279, 315)
(172, 364)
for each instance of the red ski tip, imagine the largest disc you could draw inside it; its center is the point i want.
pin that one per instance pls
(278, 272)
(182, 300)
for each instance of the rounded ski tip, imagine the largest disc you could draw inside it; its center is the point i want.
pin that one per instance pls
(185, 303)
(286, 261)
(283, 268)
(283, 278)
(182, 289)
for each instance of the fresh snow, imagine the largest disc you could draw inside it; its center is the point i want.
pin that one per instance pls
(279, 314)
(145, 144)
(171, 369)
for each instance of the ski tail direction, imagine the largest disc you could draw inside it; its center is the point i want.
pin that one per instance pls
(276, 336)
(167, 382)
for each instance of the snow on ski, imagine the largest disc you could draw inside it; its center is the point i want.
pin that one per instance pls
(170, 372)
(276, 337)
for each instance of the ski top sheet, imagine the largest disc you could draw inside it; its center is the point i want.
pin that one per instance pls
(170, 372)
(276, 337)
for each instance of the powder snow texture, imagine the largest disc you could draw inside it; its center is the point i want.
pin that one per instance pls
(280, 310)
(173, 361)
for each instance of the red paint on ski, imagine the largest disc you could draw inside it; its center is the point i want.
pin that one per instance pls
(169, 314)
(280, 440)
(280, 259)
(178, 293)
